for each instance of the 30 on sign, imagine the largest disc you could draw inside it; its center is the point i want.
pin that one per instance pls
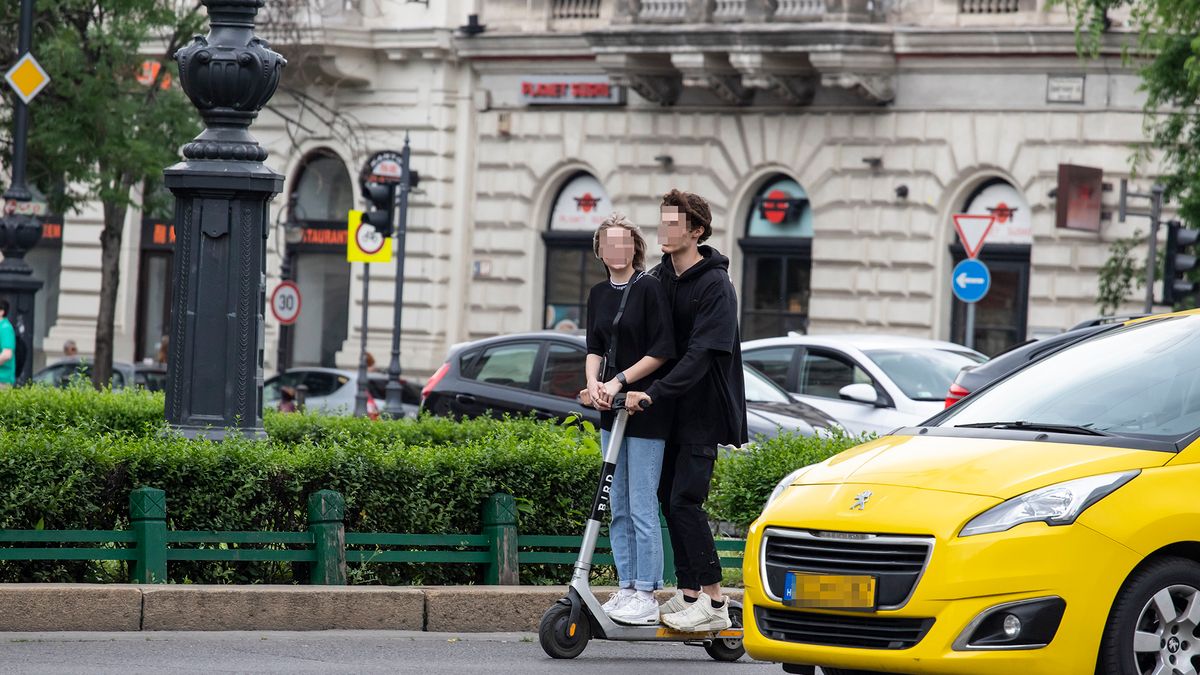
(285, 303)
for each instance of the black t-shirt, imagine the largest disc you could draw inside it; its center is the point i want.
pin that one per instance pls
(645, 330)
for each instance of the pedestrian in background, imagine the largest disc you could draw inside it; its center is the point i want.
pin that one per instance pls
(70, 350)
(162, 350)
(287, 399)
(8, 348)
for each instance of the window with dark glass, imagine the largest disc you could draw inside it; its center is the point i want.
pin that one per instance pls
(563, 375)
(571, 265)
(509, 365)
(777, 268)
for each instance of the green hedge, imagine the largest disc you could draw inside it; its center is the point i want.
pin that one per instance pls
(69, 458)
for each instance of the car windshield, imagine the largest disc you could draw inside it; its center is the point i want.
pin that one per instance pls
(1141, 381)
(923, 374)
(761, 390)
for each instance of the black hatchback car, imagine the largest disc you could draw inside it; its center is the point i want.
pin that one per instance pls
(541, 374)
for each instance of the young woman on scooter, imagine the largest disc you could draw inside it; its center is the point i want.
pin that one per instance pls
(629, 339)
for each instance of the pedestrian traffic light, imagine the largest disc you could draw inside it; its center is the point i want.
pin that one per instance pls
(414, 179)
(382, 199)
(1179, 263)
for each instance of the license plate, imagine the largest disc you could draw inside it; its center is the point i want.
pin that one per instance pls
(829, 591)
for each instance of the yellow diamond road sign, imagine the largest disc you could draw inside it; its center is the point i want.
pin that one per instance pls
(26, 77)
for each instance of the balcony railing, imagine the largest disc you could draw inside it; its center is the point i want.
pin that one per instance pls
(664, 10)
(989, 6)
(799, 9)
(561, 10)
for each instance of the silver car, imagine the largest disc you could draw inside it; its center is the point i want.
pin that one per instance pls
(332, 391)
(868, 382)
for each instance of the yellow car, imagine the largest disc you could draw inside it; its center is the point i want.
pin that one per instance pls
(1049, 523)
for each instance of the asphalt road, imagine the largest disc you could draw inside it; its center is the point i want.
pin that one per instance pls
(342, 652)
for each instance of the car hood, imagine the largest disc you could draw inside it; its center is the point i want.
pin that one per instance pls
(786, 415)
(976, 466)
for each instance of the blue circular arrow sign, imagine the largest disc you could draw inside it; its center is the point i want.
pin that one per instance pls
(970, 280)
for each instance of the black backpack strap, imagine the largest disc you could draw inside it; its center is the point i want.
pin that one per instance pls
(610, 358)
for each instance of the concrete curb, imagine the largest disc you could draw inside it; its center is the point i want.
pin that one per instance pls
(170, 607)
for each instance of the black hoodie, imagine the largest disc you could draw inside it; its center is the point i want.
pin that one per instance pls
(706, 380)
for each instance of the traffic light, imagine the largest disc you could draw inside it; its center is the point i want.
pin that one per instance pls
(414, 179)
(1180, 261)
(382, 198)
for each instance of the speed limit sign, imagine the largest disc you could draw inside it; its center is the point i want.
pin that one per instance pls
(285, 303)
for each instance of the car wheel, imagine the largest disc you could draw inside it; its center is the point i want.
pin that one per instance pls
(1153, 624)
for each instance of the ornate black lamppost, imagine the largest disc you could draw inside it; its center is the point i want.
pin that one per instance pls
(19, 231)
(222, 190)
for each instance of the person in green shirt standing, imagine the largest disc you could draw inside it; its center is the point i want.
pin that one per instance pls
(8, 348)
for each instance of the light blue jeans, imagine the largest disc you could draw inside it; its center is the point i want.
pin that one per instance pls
(634, 532)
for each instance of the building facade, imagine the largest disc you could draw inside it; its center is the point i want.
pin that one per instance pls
(834, 139)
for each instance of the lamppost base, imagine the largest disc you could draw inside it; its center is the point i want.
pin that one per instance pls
(215, 434)
(20, 290)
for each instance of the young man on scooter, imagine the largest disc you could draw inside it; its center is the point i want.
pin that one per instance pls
(707, 387)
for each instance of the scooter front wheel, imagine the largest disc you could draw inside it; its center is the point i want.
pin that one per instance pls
(558, 640)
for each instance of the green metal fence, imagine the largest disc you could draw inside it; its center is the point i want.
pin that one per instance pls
(149, 546)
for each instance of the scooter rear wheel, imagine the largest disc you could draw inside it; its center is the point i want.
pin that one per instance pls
(728, 649)
(554, 632)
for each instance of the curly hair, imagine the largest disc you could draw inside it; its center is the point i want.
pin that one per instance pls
(694, 208)
(617, 219)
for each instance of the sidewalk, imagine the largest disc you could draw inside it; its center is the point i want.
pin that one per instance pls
(171, 607)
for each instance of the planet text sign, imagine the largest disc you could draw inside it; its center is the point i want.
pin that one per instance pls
(570, 90)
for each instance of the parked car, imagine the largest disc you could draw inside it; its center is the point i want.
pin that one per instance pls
(871, 383)
(541, 374)
(332, 391)
(61, 373)
(973, 378)
(1045, 525)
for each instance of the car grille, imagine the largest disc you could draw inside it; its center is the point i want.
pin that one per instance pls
(863, 632)
(896, 562)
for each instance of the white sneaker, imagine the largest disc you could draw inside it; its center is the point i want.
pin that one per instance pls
(616, 601)
(700, 617)
(636, 612)
(675, 604)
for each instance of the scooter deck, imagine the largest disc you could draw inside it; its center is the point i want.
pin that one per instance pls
(666, 633)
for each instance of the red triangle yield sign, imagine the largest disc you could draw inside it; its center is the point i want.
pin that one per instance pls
(973, 230)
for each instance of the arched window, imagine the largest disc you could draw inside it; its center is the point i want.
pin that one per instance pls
(777, 268)
(1001, 317)
(571, 266)
(322, 196)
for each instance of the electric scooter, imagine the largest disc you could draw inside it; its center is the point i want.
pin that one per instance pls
(573, 620)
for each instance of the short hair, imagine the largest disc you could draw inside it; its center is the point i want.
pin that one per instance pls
(694, 208)
(4, 307)
(617, 219)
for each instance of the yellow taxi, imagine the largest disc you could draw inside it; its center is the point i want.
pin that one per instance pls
(1049, 523)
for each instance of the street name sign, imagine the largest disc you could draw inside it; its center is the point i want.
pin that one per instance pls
(285, 303)
(970, 280)
(27, 78)
(973, 230)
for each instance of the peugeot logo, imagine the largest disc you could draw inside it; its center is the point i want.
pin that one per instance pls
(860, 500)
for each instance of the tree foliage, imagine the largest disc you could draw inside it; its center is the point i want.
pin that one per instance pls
(98, 130)
(1167, 54)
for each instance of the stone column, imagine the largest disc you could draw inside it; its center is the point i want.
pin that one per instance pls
(222, 190)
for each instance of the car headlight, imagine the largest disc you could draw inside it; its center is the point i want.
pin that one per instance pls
(1057, 504)
(785, 483)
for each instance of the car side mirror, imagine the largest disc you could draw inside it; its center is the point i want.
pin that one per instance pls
(861, 393)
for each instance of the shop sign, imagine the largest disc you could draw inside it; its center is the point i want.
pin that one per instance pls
(1078, 196)
(571, 90)
(581, 205)
(1064, 89)
(1013, 220)
(320, 236)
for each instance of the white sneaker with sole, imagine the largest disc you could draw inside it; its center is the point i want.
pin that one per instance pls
(615, 601)
(636, 612)
(675, 604)
(700, 617)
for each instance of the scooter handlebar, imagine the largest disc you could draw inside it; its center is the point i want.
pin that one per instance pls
(618, 402)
